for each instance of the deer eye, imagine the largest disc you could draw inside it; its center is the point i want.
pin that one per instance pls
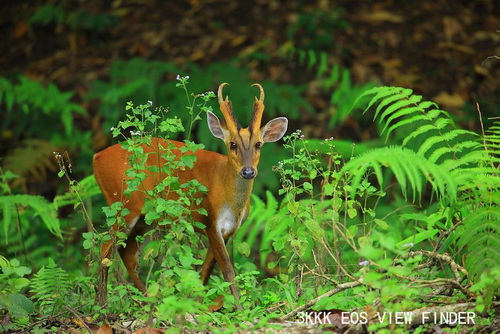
(232, 145)
(258, 145)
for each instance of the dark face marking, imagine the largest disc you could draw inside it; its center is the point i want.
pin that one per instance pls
(243, 153)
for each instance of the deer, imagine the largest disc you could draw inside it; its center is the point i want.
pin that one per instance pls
(228, 178)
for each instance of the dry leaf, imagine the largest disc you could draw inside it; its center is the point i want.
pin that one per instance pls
(105, 329)
(449, 100)
(218, 302)
(380, 16)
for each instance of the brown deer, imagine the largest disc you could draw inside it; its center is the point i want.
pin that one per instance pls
(228, 178)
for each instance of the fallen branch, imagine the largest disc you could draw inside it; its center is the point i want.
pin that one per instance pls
(455, 268)
(337, 289)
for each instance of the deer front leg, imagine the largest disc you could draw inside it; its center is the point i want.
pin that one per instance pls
(218, 248)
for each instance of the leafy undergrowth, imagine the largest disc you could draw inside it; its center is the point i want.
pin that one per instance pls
(396, 238)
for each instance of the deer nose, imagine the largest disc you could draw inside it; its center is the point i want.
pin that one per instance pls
(248, 173)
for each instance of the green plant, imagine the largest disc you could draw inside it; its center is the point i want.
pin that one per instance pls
(79, 19)
(46, 126)
(381, 220)
(172, 285)
(331, 78)
(47, 106)
(12, 283)
(465, 164)
(23, 210)
(314, 28)
(50, 287)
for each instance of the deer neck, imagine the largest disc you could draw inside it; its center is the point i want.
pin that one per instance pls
(239, 188)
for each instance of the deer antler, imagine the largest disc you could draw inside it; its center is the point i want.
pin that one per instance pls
(227, 110)
(258, 109)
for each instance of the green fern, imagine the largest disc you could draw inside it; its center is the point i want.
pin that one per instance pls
(86, 188)
(255, 225)
(331, 77)
(41, 103)
(32, 159)
(461, 168)
(11, 205)
(50, 286)
(410, 170)
(480, 199)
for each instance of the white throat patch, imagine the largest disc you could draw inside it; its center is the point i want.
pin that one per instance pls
(227, 223)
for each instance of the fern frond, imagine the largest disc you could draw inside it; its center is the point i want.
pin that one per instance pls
(493, 138)
(86, 188)
(470, 159)
(480, 219)
(32, 159)
(439, 124)
(444, 137)
(401, 113)
(392, 99)
(484, 252)
(323, 64)
(40, 206)
(380, 93)
(481, 236)
(255, 225)
(402, 106)
(50, 286)
(429, 116)
(495, 128)
(408, 167)
(457, 148)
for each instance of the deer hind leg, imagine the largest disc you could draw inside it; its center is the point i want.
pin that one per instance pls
(208, 266)
(129, 253)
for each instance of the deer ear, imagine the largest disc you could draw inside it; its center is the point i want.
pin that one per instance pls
(215, 126)
(274, 129)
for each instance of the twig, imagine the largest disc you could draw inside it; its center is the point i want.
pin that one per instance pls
(338, 288)
(482, 126)
(446, 234)
(447, 282)
(275, 307)
(323, 276)
(456, 268)
(79, 318)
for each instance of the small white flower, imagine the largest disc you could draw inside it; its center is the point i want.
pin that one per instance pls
(187, 76)
(178, 77)
(112, 128)
(150, 102)
(364, 263)
(301, 136)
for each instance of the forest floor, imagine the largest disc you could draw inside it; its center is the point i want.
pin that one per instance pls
(444, 50)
